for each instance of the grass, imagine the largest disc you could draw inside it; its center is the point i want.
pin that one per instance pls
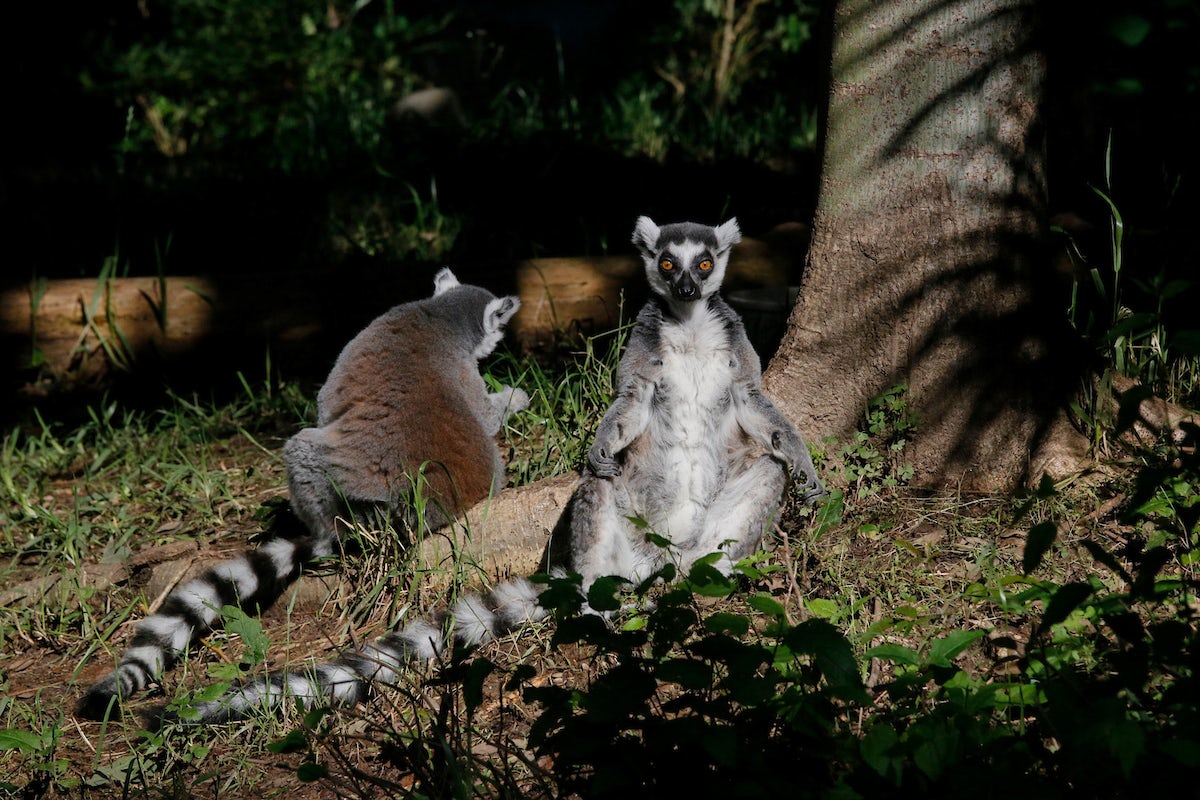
(81, 503)
(888, 617)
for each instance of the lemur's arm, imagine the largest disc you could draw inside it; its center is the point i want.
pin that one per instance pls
(504, 404)
(764, 423)
(629, 413)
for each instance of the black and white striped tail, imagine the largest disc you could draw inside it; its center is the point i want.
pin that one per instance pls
(252, 580)
(347, 680)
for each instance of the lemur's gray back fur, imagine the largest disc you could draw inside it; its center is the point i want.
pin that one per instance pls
(690, 445)
(403, 395)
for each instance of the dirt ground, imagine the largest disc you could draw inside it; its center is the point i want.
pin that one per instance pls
(891, 551)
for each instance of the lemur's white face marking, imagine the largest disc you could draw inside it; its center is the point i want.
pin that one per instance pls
(685, 261)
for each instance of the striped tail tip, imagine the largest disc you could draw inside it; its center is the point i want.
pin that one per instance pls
(101, 701)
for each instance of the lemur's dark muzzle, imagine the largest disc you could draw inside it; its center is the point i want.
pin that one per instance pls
(685, 288)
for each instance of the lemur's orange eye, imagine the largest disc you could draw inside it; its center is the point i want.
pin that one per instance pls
(666, 265)
(705, 265)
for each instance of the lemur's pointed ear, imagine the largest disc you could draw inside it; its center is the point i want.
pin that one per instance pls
(645, 235)
(443, 280)
(728, 234)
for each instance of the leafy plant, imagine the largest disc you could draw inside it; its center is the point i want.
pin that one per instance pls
(691, 693)
(40, 748)
(871, 461)
(302, 86)
(1129, 331)
(706, 90)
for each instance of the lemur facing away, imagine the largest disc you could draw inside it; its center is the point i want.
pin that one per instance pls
(690, 445)
(404, 398)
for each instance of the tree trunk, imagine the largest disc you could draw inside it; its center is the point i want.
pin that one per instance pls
(927, 266)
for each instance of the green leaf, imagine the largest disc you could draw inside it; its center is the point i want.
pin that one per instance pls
(821, 607)
(1063, 602)
(520, 674)
(1175, 288)
(313, 717)
(602, 594)
(478, 670)
(1019, 695)
(655, 539)
(937, 745)
(1185, 751)
(1107, 559)
(686, 672)
(879, 749)
(1037, 544)
(833, 655)
(1186, 343)
(1155, 505)
(250, 630)
(829, 513)
(723, 622)
(24, 741)
(1153, 560)
(1130, 29)
(310, 771)
(1126, 743)
(896, 653)
(943, 650)
(634, 623)
(213, 691)
(765, 604)
(562, 595)
(722, 744)
(707, 581)
(293, 742)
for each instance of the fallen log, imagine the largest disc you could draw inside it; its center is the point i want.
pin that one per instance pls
(63, 334)
(504, 535)
(1142, 418)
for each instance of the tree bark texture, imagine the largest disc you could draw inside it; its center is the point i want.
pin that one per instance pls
(927, 262)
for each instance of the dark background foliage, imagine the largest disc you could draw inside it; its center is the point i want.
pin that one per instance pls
(274, 150)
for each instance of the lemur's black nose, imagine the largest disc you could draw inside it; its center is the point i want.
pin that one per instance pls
(685, 288)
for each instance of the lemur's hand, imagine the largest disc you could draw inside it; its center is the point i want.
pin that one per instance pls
(795, 454)
(602, 463)
(518, 399)
(811, 488)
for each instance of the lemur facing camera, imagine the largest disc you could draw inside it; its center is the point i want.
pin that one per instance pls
(690, 446)
(405, 397)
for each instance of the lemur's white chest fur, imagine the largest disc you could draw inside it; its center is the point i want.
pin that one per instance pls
(692, 430)
(695, 379)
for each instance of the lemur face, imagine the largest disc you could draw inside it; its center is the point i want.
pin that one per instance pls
(685, 261)
(684, 268)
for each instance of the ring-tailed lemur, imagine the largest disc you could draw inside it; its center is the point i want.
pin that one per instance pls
(404, 397)
(690, 445)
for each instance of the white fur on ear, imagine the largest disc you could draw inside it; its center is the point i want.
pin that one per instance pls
(443, 280)
(728, 234)
(495, 316)
(645, 235)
